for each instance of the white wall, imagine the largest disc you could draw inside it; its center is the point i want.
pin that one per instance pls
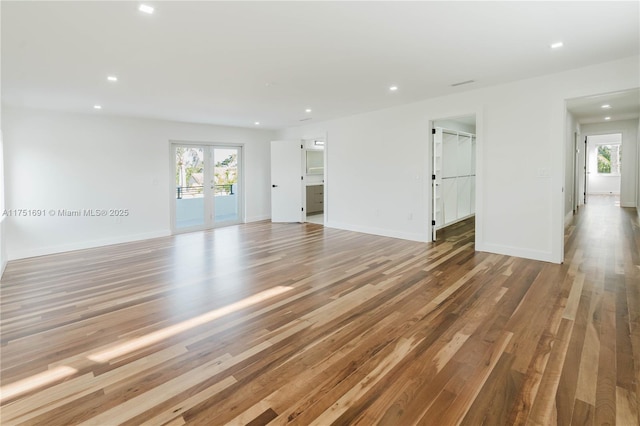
(582, 152)
(90, 161)
(604, 185)
(638, 169)
(570, 165)
(3, 247)
(379, 171)
(629, 130)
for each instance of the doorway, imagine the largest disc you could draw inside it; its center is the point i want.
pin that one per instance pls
(206, 186)
(453, 173)
(314, 168)
(603, 166)
(298, 180)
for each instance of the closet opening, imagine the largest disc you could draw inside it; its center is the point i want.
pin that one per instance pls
(453, 176)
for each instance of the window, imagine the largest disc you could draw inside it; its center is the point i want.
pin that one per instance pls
(609, 159)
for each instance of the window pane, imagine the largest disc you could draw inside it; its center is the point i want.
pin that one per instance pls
(226, 206)
(604, 159)
(609, 159)
(189, 186)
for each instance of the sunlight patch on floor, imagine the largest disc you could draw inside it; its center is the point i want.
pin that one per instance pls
(151, 338)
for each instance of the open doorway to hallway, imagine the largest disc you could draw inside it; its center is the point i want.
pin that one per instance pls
(602, 157)
(453, 174)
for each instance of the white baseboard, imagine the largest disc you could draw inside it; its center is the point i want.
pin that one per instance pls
(544, 256)
(42, 251)
(627, 204)
(568, 218)
(3, 246)
(420, 237)
(3, 266)
(257, 218)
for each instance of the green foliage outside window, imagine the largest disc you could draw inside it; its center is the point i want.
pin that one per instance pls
(226, 171)
(604, 159)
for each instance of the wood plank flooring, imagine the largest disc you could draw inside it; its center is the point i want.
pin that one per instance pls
(299, 324)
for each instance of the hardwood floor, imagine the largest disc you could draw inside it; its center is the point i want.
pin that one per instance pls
(266, 323)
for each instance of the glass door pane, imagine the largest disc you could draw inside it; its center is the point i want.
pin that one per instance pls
(190, 206)
(226, 203)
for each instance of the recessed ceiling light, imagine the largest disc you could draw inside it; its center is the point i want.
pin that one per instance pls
(557, 45)
(607, 118)
(146, 9)
(307, 110)
(393, 88)
(97, 107)
(606, 106)
(257, 123)
(112, 78)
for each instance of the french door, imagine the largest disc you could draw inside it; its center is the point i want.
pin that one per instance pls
(208, 186)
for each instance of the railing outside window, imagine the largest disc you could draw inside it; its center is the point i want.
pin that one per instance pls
(195, 191)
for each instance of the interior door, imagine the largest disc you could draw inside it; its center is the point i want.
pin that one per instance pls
(286, 181)
(436, 180)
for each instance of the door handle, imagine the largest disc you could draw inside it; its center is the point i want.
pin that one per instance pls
(274, 186)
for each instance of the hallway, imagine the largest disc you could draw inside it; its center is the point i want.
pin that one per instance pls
(602, 364)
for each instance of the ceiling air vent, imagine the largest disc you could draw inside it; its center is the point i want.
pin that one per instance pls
(306, 119)
(463, 82)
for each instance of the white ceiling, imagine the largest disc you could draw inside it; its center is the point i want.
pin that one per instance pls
(624, 105)
(234, 63)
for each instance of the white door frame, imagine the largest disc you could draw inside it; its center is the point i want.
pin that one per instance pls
(434, 182)
(575, 195)
(209, 206)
